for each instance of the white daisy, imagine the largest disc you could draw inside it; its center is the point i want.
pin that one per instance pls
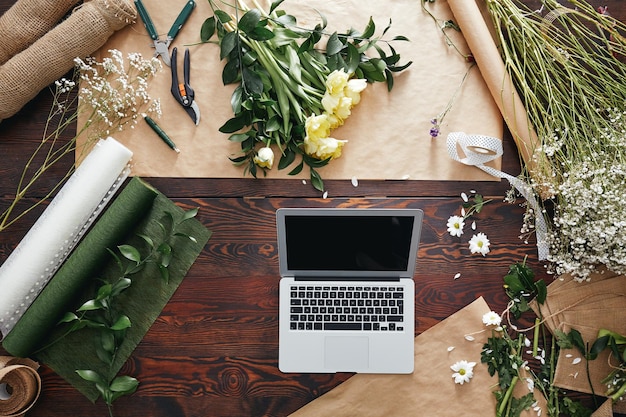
(455, 225)
(479, 244)
(463, 371)
(492, 319)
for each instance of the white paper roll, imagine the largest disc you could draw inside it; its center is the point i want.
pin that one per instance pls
(48, 243)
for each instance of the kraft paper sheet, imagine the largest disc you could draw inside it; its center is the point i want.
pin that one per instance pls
(388, 133)
(430, 390)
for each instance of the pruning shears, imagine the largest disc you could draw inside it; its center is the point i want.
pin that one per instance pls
(161, 46)
(182, 91)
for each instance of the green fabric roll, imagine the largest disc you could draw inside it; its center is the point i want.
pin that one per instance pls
(142, 302)
(122, 215)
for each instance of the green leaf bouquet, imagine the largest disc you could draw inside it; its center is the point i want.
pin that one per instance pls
(292, 92)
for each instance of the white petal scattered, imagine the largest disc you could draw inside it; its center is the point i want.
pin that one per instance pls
(325, 195)
(355, 182)
(569, 355)
(463, 211)
(469, 337)
(450, 348)
(406, 177)
(304, 182)
(464, 197)
(457, 275)
(473, 225)
(576, 361)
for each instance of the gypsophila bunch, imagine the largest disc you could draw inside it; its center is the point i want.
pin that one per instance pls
(116, 91)
(575, 97)
(294, 85)
(113, 94)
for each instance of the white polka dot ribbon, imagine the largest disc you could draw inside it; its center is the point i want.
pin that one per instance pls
(479, 150)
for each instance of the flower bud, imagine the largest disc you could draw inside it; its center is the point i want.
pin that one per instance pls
(265, 157)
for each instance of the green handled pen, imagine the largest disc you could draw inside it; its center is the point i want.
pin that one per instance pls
(161, 133)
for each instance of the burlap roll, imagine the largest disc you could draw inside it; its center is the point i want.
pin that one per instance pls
(28, 20)
(24, 382)
(88, 27)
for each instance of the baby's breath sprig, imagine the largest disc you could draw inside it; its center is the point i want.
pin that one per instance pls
(111, 94)
(568, 68)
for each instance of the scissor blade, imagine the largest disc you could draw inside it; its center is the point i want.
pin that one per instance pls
(162, 49)
(194, 112)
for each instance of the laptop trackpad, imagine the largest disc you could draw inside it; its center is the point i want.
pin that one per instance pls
(346, 353)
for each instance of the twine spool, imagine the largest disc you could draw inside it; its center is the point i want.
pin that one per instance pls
(20, 386)
(28, 20)
(88, 27)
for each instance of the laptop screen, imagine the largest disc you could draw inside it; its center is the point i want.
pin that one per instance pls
(349, 242)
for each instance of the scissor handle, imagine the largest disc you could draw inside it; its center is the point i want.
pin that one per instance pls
(145, 18)
(181, 19)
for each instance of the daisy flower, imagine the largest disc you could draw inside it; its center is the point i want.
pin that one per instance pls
(492, 319)
(463, 371)
(455, 225)
(479, 244)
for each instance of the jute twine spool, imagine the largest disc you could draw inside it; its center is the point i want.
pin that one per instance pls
(88, 27)
(20, 385)
(28, 20)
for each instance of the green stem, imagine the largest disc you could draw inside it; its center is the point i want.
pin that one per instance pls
(507, 396)
(536, 336)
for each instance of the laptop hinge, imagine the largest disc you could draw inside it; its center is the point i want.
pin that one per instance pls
(360, 279)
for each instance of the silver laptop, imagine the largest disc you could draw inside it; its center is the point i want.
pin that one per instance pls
(346, 291)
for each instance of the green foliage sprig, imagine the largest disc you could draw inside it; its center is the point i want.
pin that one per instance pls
(104, 312)
(508, 353)
(281, 71)
(616, 343)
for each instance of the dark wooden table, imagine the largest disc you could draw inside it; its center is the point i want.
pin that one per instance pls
(214, 349)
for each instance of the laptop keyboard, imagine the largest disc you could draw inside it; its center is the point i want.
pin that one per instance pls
(370, 308)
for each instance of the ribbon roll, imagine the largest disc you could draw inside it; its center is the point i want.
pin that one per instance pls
(478, 151)
(20, 386)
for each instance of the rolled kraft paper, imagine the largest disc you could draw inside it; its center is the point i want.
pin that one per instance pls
(28, 20)
(80, 268)
(20, 385)
(23, 76)
(48, 242)
(484, 50)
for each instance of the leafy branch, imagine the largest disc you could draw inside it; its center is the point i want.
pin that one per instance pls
(104, 312)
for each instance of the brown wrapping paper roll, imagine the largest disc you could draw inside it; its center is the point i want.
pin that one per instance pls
(23, 76)
(475, 25)
(28, 20)
(24, 382)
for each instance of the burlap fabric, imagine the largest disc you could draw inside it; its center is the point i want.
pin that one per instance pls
(21, 375)
(50, 57)
(28, 20)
